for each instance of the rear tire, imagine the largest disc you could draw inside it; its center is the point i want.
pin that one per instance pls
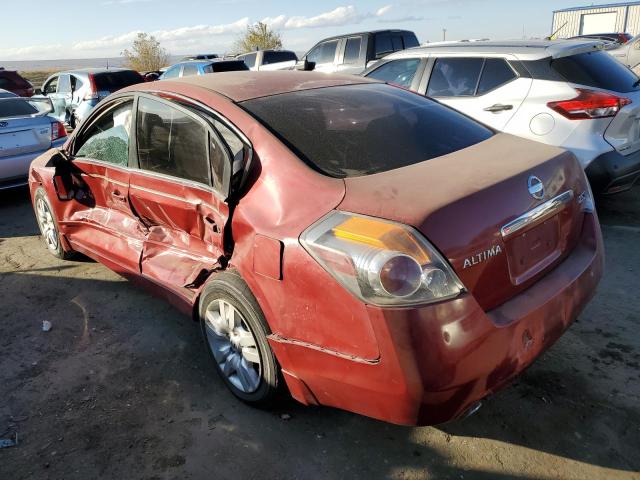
(235, 334)
(49, 232)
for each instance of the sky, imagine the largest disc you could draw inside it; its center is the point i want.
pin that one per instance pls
(103, 28)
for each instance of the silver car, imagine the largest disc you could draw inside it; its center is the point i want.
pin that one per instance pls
(74, 93)
(26, 131)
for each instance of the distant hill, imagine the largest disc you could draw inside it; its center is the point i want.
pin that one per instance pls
(66, 64)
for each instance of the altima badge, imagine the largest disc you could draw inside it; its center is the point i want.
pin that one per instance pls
(536, 187)
(482, 256)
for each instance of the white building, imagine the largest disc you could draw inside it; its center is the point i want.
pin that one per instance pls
(608, 18)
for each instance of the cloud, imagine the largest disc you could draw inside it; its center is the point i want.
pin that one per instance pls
(196, 37)
(124, 2)
(168, 38)
(384, 10)
(336, 17)
(408, 18)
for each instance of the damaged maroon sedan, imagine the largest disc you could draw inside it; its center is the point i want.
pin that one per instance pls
(368, 247)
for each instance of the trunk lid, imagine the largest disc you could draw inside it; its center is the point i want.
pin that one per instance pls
(465, 204)
(623, 133)
(24, 135)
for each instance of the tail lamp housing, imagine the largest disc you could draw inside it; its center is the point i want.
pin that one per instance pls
(381, 262)
(590, 104)
(57, 131)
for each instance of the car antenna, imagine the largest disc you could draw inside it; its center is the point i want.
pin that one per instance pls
(550, 37)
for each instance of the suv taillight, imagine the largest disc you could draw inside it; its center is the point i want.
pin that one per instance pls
(57, 131)
(92, 93)
(590, 104)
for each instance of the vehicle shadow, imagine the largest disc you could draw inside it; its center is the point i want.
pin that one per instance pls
(125, 380)
(620, 209)
(122, 384)
(10, 200)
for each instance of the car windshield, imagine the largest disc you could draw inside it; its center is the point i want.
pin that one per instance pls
(363, 129)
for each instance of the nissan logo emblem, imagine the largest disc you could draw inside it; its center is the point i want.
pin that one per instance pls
(536, 187)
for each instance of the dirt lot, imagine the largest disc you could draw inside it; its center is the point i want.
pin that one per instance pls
(121, 388)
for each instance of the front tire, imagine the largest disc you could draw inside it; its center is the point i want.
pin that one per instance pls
(235, 334)
(48, 226)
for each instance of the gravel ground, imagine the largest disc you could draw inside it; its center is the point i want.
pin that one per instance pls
(121, 388)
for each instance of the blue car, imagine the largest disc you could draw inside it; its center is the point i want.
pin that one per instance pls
(202, 67)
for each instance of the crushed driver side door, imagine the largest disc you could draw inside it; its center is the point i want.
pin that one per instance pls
(93, 187)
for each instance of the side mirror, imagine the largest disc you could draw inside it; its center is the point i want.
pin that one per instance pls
(38, 91)
(62, 178)
(305, 65)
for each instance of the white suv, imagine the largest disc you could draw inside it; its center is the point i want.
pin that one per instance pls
(565, 93)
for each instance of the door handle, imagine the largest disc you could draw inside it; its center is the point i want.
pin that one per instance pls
(212, 221)
(118, 196)
(497, 108)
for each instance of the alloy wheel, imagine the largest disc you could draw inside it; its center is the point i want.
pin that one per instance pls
(233, 345)
(47, 224)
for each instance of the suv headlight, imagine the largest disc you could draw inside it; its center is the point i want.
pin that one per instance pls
(381, 262)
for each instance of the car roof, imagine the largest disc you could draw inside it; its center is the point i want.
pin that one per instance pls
(6, 93)
(94, 70)
(368, 32)
(199, 61)
(523, 49)
(246, 85)
(267, 50)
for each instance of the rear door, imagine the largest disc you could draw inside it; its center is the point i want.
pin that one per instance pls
(63, 97)
(99, 220)
(353, 53)
(50, 89)
(179, 191)
(487, 89)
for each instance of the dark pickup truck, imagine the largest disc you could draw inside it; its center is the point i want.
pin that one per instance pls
(354, 52)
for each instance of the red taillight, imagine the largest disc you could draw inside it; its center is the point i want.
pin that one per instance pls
(57, 131)
(590, 104)
(92, 94)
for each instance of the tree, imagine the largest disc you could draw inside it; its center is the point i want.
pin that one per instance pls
(258, 36)
(146, 54)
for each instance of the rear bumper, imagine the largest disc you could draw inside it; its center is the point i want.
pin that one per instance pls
(613, 172)
(14, 170)
(436, 362)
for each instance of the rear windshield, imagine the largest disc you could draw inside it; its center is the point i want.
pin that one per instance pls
(16, 107)
(229, 66)
(279, 56)
(597, 69)
(113, 81)
(356, 130)
(12, 79)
